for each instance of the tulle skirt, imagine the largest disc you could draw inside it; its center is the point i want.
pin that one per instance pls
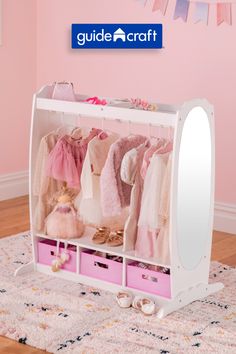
(64, 225)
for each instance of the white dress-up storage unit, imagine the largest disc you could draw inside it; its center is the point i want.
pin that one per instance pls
(192, 197)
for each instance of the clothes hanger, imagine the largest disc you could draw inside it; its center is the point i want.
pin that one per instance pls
(153, 139)
(102, 132)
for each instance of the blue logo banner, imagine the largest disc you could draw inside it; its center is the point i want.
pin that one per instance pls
(116, 36)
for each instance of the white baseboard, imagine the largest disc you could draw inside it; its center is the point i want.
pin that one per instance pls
(225, 217)
(14, 185)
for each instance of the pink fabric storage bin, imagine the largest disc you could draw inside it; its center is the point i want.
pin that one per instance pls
(47, 252)
(100, 268)
(148, 280)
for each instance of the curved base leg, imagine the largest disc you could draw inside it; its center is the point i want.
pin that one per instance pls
(195, 293)
(26, 268)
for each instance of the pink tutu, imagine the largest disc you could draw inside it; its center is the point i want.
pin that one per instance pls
(61, 164)
(63, 223)
(65, 161)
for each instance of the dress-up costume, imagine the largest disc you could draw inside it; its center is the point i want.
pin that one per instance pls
(65, 161)
(162, 249)
(89, 200)
(115, 194)
(148, 223)
(148, 154)
(130, 174)
(45, 187)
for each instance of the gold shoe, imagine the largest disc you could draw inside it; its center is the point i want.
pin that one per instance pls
(101, 235)
(116, 238)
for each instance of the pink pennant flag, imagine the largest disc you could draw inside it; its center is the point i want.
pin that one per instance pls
(224, 13)
(160, 5)
(181, 9)
(201, 12)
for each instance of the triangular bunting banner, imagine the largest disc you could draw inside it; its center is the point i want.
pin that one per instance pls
(224, 13)
(160, 5)
(201, 12)
(181, 9)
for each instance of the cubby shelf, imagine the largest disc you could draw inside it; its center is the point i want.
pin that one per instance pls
(86, 242)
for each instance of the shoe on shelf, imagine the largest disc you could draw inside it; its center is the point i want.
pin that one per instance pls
(124, 299)
(116, 238)
(101, 235)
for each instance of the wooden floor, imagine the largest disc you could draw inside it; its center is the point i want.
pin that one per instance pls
(14, 218)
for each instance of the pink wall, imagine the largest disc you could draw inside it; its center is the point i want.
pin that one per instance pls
(17, 82)
(197, 61)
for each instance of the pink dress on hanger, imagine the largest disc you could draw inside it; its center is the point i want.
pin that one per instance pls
(65, 161)
(45, 187)
(148, 154)
(115, 194)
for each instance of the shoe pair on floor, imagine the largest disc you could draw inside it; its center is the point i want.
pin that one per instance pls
(125, 300)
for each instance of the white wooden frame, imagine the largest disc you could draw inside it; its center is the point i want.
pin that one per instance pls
(186, 286)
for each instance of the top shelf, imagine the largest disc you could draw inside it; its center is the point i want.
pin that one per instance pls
(166, 115)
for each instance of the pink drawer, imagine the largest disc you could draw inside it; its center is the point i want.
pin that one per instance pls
(47, 252)
(148, 280)
(100, 268)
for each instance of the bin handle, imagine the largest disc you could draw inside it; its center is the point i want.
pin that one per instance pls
(100, 265)
(150, 278)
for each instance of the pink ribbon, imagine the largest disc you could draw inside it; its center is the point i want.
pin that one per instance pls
(160, 5)
(181, 9)
(224, 13)
(201, 12)
(96, 100)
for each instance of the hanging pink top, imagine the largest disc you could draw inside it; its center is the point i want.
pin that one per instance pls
(148, 154)
(65, 161)
(115, 194)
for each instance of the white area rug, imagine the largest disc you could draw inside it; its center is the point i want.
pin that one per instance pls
(65, 317)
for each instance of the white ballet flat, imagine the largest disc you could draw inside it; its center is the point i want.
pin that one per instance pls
(124, 299)
(145, 305)
(137, 302)
(148, 307)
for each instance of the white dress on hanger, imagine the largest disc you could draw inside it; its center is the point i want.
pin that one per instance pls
(162, 247)
(149, 223)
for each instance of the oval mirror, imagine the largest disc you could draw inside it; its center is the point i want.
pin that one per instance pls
(194, 188)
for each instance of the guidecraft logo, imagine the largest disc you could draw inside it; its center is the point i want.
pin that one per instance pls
(116, 36)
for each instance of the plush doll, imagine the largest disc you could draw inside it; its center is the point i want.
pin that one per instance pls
(63, 221)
